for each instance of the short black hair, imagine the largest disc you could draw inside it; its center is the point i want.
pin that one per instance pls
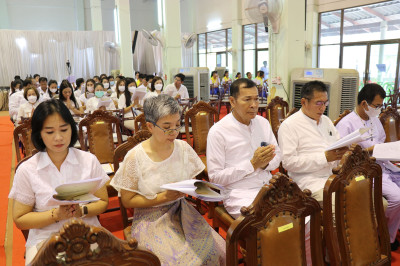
(149, 77)
(44, 110)
(242, 82)
(79, 82)
(142, 76)
(36, 75)
(213, 72)
(17, 77)
(27, 81)
(307, 91)
(66, 84)
(181, 76)
(42, 79)
(110, 77)
(369, 91)
(103, 78)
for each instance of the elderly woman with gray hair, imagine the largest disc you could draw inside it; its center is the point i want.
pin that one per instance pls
(163, 221)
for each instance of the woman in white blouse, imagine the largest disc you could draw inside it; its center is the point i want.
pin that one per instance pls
(163, 221)
(52, 91)
(32, 95)
(125, 89)
(88, 92)
(54, 134)
(99, 95)
(80, 87)
(156, 87)
(68, 98)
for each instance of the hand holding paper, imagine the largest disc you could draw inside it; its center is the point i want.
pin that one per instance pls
(196, 188)
(139, 93)
(354, 137)
(105, 101)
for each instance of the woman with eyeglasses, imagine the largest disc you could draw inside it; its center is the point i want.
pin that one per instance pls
(163, 221)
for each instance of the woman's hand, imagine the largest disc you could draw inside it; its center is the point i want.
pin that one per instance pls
(64, 212)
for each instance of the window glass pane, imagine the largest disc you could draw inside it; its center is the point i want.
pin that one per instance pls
(262, 56)
(329, 56)
(211, 61)
(221, 59)
(202, 43)
(229, 38)
(330, 27)
(249, 39)
(382, 67)
(372, 22)
(249, 62)
(262, 36)
(354, 57)
(230, 66)
(202, 60)
(216, 41)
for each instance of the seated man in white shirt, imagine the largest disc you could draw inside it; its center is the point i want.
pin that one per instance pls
(370, 101)
(303, 138)
(43, 87)
(177, 89)
(241, 149)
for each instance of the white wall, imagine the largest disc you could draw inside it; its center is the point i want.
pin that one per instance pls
(329, 5)
(144, 15)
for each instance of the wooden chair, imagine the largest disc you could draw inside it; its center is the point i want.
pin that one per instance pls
(119, 155)
(23, 133)
(361, 235)
(72, 246)
(99, 126)
(140, 122)
(276, 111)
(272, 228)
(390, 119)
(345, 112)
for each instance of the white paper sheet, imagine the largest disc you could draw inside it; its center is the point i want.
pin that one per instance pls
(105, 101)
(389, 151)
(354, 137)
(108, 168)
(139, 93)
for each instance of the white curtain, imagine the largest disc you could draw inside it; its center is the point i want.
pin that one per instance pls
(147, 59)
(46, 53)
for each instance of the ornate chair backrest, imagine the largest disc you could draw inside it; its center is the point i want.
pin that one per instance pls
(276, 112)
(23, 131)
(361, 235)
(345, 112)
(390, 119)
(201, 117)
(273, 226)
(75, 238)
(140, 122)
(99, 126)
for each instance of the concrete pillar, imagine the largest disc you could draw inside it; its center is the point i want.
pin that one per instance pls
(4, 21)
(123, 28)
(95, 13)
(237, 43)
(172, 56)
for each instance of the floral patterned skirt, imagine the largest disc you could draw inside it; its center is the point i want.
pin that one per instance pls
(178, 235)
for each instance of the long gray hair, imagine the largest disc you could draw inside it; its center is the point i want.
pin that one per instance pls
(156, 108)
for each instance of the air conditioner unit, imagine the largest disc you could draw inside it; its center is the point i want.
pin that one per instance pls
(342, 87)
(197, 81)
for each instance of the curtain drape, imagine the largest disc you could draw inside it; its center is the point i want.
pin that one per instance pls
(147, 59)
(46, 53)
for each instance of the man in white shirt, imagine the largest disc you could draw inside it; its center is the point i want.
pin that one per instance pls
(43, 87)
(303, 138)
(241, 149)
(177, 89)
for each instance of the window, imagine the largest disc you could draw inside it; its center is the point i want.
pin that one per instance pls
(365, 38)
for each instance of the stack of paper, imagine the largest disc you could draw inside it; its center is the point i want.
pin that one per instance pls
(354, 137)
(389, 151)
(75, 192)
(197, 188)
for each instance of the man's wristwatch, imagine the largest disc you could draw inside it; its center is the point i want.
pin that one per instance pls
(84, 210)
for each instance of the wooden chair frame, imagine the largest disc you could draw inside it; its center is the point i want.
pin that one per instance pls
(24, 131)
(272, 113)
(345, 112)
(388, 114)
(142, 120)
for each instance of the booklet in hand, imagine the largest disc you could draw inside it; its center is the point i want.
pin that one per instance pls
(105, 101)
(197, 188)
(356, 136)
(75, 192)
(389, 151)
(139, 93)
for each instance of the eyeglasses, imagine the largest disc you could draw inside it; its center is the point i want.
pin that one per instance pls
(320, 103)
(169, 131)
(376, 106)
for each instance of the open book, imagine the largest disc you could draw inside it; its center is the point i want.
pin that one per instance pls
(197, 188)
(75, 192)
(139, 93)
(356, 136)
(389, 151)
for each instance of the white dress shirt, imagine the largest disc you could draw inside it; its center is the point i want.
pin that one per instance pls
(15, 101)
(303, 143)
(36, 179)
(230, 147)
(25, 110)
(173, 91)
(91, 105)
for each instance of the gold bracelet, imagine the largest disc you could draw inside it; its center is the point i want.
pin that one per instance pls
(52, 215)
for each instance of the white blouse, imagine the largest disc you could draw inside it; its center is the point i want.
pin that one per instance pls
(79, 106)
(26, 110)
(139, 174)
(91, 105)
(36, 179)
(15, 101)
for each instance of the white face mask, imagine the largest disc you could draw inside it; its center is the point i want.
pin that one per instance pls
(121, 88)
(131, 89)
(90, 88)
(106, 85)
(158, 87)
(32, 98)
(372, 112)
(53, 90)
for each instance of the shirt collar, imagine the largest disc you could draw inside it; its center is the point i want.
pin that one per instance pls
(314, 122)
(241, 124)
(44, 159)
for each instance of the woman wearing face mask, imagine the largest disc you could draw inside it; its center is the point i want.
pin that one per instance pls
(88, 92)
(15, 86)
(32, 95)
(99, 92)
(80, 86)
(106, 85)
(68, 98)
(156, 87)
(125, 101)
(52, 91)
